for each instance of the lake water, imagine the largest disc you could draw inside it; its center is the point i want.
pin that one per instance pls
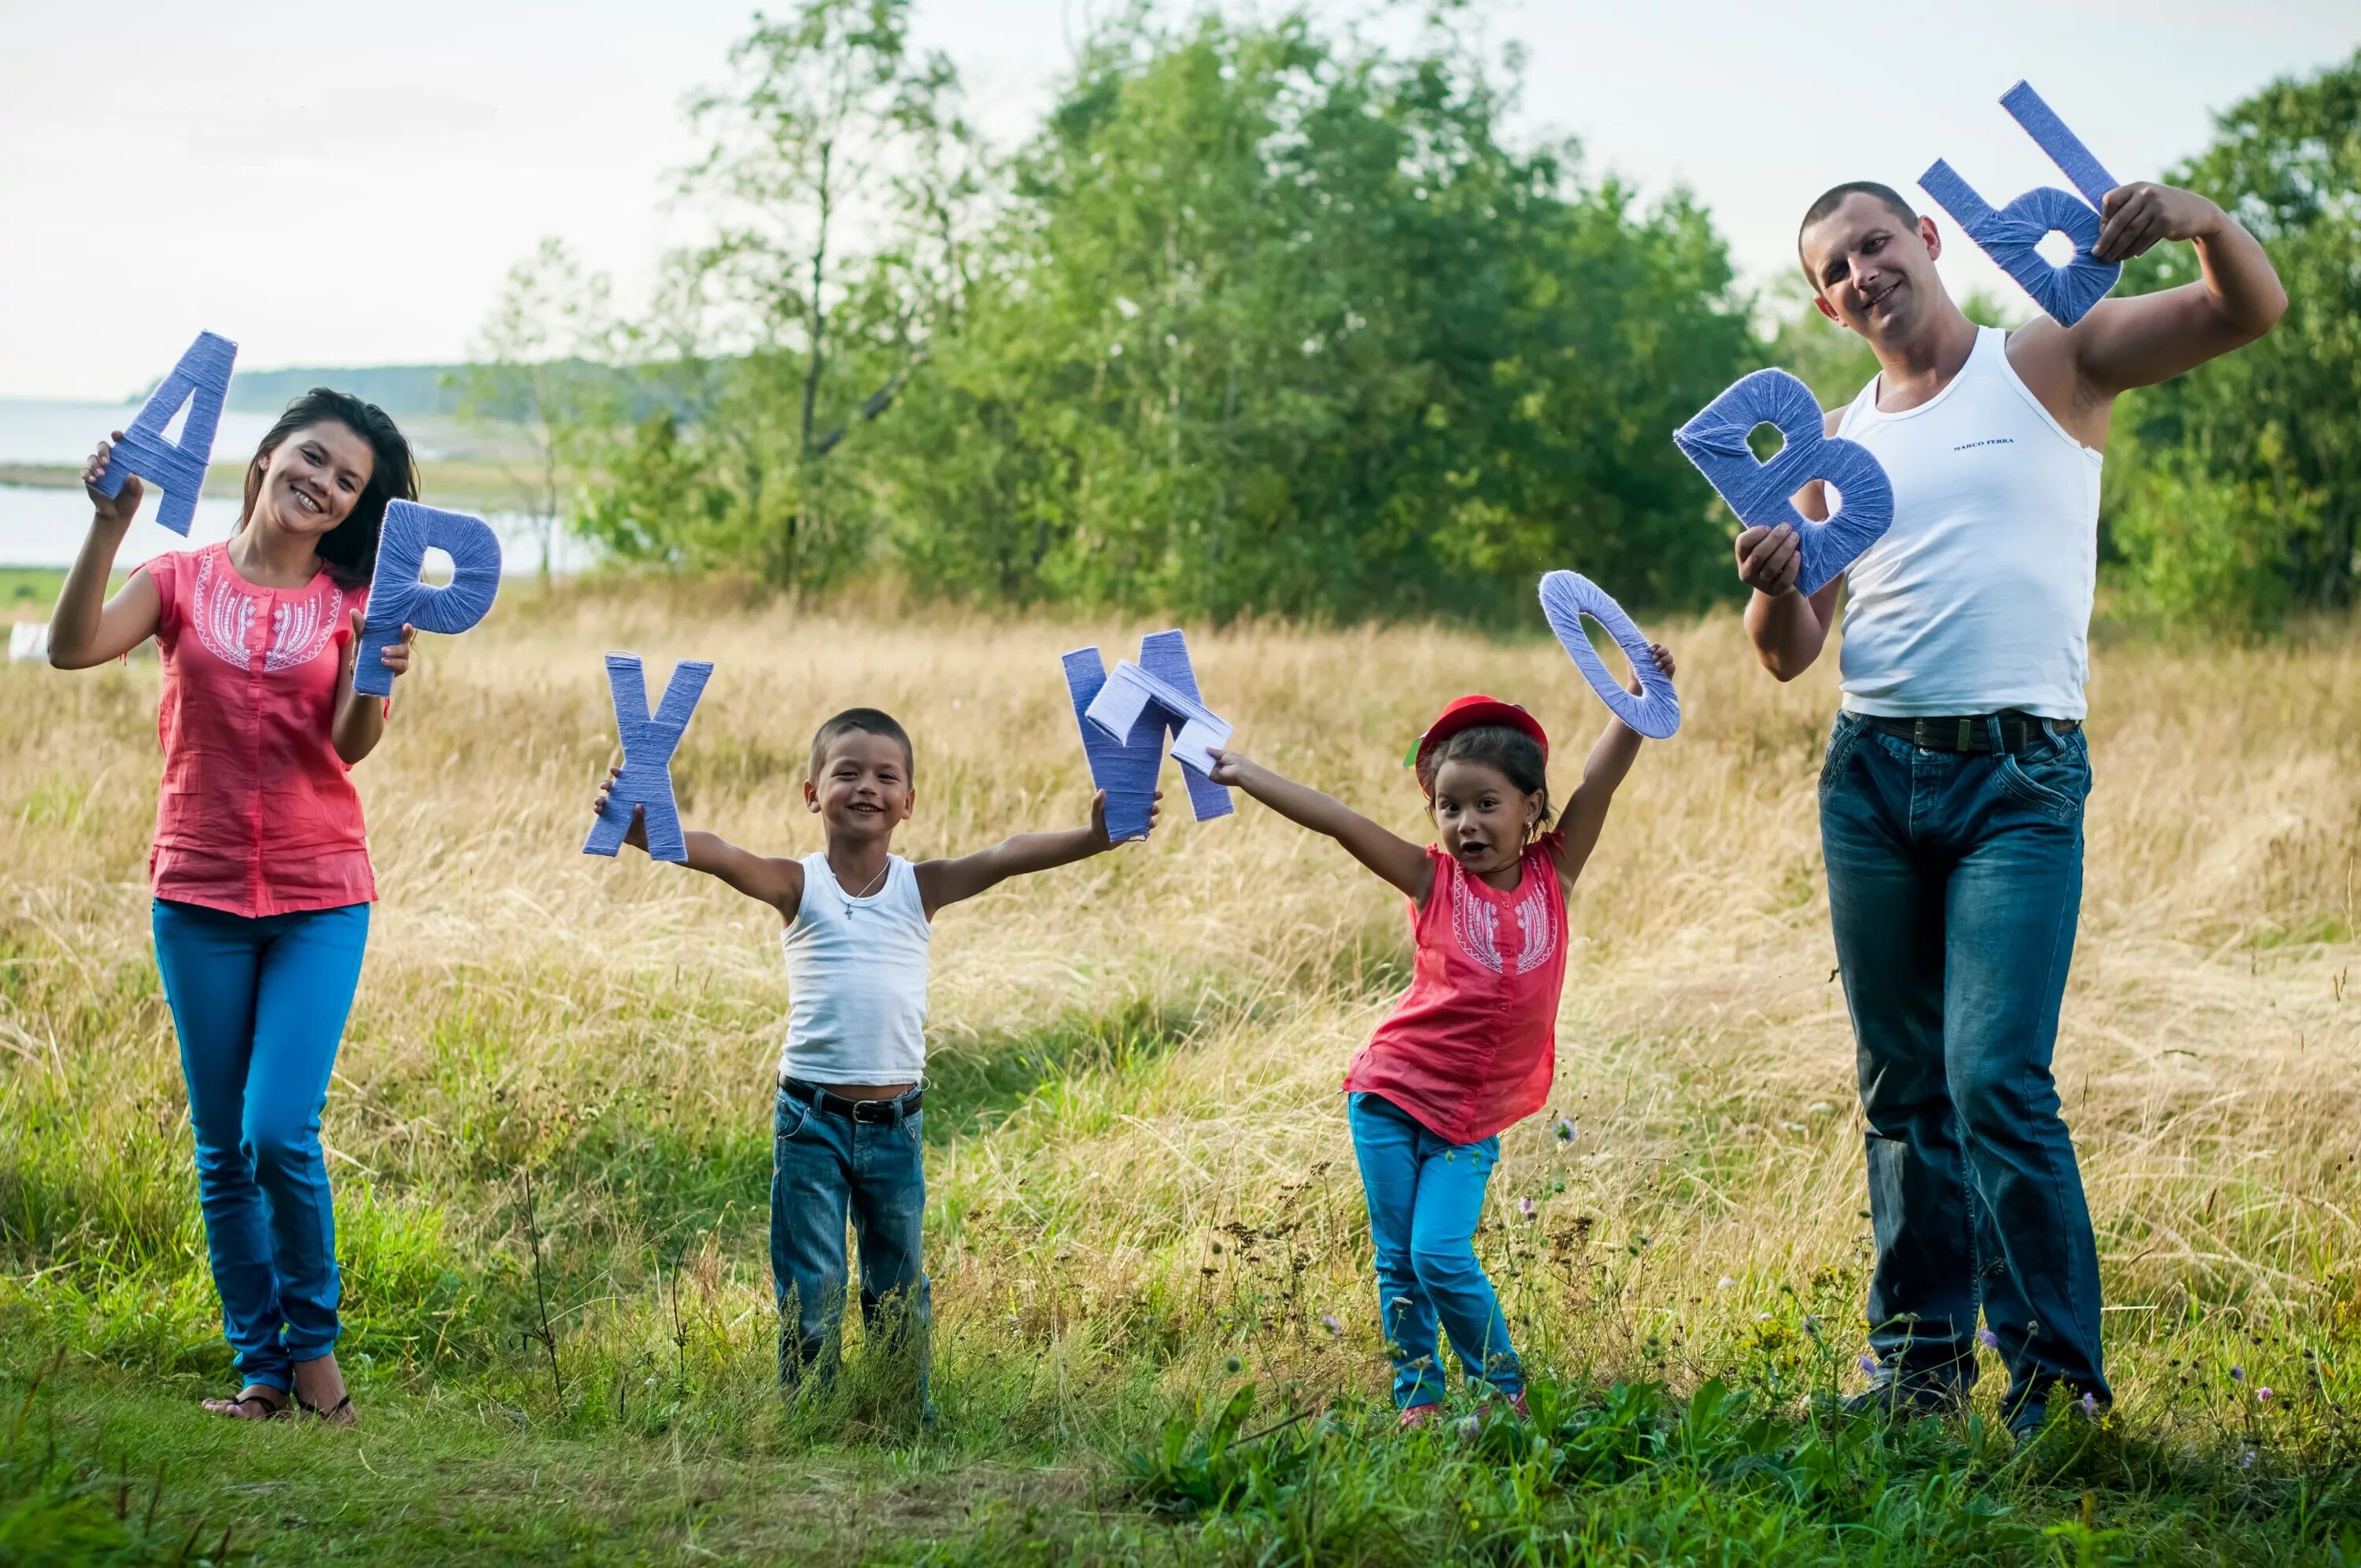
(45, 527)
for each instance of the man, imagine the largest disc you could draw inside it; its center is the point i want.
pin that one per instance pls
(1952, 791)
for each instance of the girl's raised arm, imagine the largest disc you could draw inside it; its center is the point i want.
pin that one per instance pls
(87, 628)
(1394, 858)
(1612, 756)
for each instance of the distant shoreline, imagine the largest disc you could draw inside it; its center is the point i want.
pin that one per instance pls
(484, 486)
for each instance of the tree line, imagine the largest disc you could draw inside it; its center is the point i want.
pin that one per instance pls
(1268, 318)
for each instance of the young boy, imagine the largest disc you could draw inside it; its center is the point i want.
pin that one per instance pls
(847, 1122)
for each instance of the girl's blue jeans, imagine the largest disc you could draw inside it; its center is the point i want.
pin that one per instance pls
(1425, 1196)
(260, 1006)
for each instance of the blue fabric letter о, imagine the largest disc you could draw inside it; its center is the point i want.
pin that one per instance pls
(1125, 764)
(649, 741)
(1566, 598)
(2009, 235)
(201, 380)
(397, 598)
(1716, 441)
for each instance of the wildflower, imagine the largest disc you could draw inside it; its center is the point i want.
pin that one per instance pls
(1328, 1320)
(1725, 1283)
(1468, 1426)
(1565, 1129)
(2262, 1396)
(1988, 1339)
(2237, 1374)
(1820, 1108)
(1811, 1325)
(2247, 1461)
(2089, 1404)
(1869, 1365)
(1525, 1207)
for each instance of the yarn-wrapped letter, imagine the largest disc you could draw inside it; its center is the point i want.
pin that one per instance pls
(649, 741)
(398, 599)
(2011, 234)
(1758, 492)
(1566, 598)
(201, 380)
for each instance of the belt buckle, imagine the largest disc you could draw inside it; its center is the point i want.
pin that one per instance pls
(872, 1112)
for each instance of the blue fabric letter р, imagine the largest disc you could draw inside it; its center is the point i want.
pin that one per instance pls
(649, 741)
(1716, 441)
(201, 380)
(398, 599)
(1566, 598)
(2010, 234)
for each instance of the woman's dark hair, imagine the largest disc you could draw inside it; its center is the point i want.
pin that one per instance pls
(349, 549)
(1512, 754)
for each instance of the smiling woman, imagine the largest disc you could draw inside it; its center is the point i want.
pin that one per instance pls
(261, 868)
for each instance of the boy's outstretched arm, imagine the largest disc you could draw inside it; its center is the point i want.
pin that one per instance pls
(777, 882)
(1392, 857)
(948, 881)
(1612, 756)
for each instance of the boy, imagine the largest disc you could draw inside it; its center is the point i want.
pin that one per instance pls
(858, 919)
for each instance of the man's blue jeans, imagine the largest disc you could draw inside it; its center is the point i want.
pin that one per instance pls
(259, 1006)
(1955, 880)
(826, 1168)
(1425, 1196)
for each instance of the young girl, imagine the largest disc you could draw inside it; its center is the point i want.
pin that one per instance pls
(1471, 1048)
(261, 868)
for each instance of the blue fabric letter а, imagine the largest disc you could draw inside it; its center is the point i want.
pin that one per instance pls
(1566, 598)
(201, 380)
(1126, 766)
(2009, 235)
(649, 741)
(1758, 492)
(398, 599)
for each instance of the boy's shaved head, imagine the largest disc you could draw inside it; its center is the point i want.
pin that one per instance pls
(862, 720)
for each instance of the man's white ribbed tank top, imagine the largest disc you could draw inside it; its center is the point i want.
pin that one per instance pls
(857, 980)
(1978, 598)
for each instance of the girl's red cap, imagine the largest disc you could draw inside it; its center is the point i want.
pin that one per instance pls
(1465, 713)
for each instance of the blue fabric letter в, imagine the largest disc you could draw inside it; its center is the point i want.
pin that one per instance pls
(2010, 234)
(1757, 492)
(397, 598)
(649, 741)
(201, 380)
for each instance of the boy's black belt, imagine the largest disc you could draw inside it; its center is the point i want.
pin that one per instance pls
(868, 1113)
(1971, 731)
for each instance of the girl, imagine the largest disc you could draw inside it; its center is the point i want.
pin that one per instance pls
(1472, 1046)
(260, 868)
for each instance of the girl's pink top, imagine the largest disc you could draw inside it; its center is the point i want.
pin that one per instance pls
(258, 814)
(1472, 1047)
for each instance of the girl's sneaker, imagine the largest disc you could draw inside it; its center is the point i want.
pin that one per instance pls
(1417, 1416)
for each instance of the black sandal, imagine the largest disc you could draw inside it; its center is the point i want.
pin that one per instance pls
(270, 1411)
(331, 1413)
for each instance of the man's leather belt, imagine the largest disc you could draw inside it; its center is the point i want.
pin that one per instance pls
(1971, 731)
(868, 1113)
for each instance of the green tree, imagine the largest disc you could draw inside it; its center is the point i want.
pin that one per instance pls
(2245, 496)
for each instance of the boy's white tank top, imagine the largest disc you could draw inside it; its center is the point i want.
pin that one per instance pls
(1978, 598)
(857, 980)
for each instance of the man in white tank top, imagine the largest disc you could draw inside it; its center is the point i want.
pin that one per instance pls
(1952, 794)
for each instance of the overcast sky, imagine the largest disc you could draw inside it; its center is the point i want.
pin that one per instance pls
(342, 184)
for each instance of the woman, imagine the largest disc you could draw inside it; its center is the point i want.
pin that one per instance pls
(260, 867)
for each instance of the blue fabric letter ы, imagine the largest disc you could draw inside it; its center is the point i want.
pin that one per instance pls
(649, 741)
(2010, 234)
(398, 599)
(201, 380)
(1757, 492)
(1566, 598)
(1125, 764)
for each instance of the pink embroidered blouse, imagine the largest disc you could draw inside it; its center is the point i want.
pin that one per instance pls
(1472, 1047)
(258, 814)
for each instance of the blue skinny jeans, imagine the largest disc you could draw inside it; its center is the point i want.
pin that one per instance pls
(1955, 880)
(826, 1170)
(1425, 1196)
(260, 1006)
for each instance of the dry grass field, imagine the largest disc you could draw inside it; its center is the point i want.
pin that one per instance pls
(1141, 1189)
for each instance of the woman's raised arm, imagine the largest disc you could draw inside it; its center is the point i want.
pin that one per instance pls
(87, 628)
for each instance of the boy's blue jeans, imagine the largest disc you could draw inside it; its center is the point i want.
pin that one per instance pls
(826, 1168)
(1955, 880)
(1425, 1196)
(259, 1006)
